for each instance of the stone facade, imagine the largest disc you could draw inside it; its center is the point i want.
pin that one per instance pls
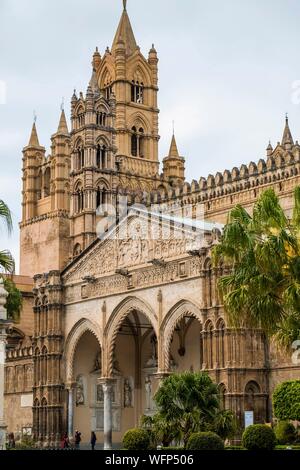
(112, 316)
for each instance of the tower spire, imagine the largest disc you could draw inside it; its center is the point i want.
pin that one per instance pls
(34, 140)
(173, 152)
(287, 139)
(125, 33)
(62, 126)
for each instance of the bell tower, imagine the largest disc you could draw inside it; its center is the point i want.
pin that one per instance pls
(133, 79)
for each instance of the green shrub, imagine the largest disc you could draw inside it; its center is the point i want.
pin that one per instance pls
(205, 441)
(286, 401)
(26, 443)
(136, 439)
(259, 437)
(285, 432)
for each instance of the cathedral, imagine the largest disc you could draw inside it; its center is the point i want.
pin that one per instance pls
(118, 286)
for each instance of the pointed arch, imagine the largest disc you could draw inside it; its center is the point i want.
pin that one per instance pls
(180, 310)
(117, 317)
(82, 326)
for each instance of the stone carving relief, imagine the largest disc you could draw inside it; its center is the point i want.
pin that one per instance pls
(80, 391)
(128, 393)
(137, 246)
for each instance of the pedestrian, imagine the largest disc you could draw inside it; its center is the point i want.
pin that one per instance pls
(93, 440)
(65, 444)
(77, 440)
(11, 440)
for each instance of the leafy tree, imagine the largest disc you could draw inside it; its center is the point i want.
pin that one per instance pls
(263, 250)
(14, 300)
(286, 401)
(188, 403)
(6, 260)
(162, 431)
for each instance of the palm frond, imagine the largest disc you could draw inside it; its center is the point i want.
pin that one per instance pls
(5, 215)
(7, 263)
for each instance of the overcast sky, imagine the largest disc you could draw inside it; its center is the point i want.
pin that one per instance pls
(226, 75)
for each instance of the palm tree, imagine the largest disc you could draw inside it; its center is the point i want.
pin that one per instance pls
(262, 289)
(7, 266)
(188, 403)
(6, 260)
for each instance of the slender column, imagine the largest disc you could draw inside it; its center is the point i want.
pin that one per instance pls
(70, 388)
(107, 384)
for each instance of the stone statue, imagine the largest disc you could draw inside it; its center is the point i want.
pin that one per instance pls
(127, 394)
(148, 387)
(97, 362)
(79, 392)
(153, 360)
(100, 393)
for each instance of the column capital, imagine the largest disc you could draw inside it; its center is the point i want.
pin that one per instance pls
(70, 385)
(106, 381)
(161, 375)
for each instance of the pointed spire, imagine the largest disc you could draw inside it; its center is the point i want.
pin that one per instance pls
(287, 139)
(94, 84)
(269, 149)
(63, 126)
(34, 140)
(96, 59)
(125, 34)
(173, 152)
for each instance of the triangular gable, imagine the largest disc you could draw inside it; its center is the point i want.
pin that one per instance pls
(141, 238)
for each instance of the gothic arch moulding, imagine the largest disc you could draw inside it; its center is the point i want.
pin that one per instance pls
(138, 120)
(137, 67)
(106, 76)
(116, 319)
(83, 326)
(182, 309)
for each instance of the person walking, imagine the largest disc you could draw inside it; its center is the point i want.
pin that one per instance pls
(11, 441)
(77, 440)
(65, 444)
(93, 440)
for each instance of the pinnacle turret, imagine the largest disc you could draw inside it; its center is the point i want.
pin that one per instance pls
(34, 140)
(287, 139)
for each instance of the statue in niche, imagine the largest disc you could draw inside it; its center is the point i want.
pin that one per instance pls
(127, 394)
(148, 387)
(153, 360)
(80, 391)
(97, 362)
(100, 394)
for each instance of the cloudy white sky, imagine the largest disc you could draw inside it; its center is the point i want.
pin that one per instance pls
(227, 68)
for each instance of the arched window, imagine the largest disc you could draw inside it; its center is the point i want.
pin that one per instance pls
(77, 250)
(101, 200)
(221, 343)
(108, 91)
(81, 158)
(252, 388)
(79, 199)
(39, 185)
(210, 345)
(101, 158)
(134, 143)
(81, 117)
(137, 142)
(101, 118)
(141, 140)
(47, 182)
(137, 92)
